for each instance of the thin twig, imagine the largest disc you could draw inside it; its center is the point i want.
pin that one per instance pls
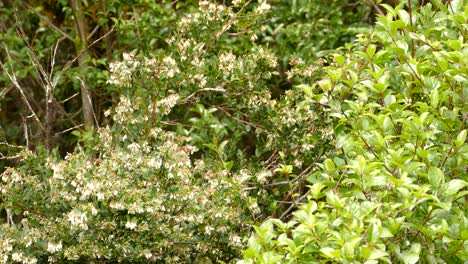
(68, 129)
(69, 98)
(70, 63)
(376, 7)
(237, 119)
(93, 32)
(52, 58)
(218, 90)
(294, 205)
(6, 90)
(13, 79)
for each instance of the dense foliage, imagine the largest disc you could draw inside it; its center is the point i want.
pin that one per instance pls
(394, 188)
(211, 131)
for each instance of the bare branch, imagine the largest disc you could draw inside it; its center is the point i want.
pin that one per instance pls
(52, 58)
(69, 98)
(70, 63)
(218, 90)
(6, 90)
(13, 79)
(237, 119)
(68, 129)
(294, 205)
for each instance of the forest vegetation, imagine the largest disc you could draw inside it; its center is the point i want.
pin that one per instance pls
(243, 131)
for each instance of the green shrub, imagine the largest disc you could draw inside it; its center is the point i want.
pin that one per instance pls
(135, 191)
(395, 187)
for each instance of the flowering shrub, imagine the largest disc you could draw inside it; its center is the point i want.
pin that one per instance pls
(395, 187)
(142, 197)
(136, 192)
(200, 143)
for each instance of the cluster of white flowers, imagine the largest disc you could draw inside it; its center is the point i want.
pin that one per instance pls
(210, 10)
(20, 258)
(78, 219)
(263, 176)
(268, 56)
(10, 175)
(235, 240)
(154, 163)
(130, 225)
(122, 71)
(117, 205)
(135, 208)
(200, 78)
(123, 110)
(147, 173)
(227, 61)
(57, 167)
(52, 247)
(169, 67)
(263, 8)
(187, 20)
(91, 187)
(166, 104)
(237, 2)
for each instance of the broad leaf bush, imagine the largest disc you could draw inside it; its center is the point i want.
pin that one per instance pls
(394, 190)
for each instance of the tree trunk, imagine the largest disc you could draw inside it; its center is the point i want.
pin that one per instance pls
(81, 46)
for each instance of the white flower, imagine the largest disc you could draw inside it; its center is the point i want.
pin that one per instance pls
(121, 72)
(166, 104)
(134, 147)
(208, 230)
(78, 218)
(117, 205)
(17, 256)
(236, 2)
(201, 78)
(154, 163)
(254, 37)
(235, 240)
(52, 248)
(147, 254)
(130, 225)
(263, 8)
(263, 176)
(227, 61)
(58, 171)
(94, 211)
(100, 196)
(135, 208)
(170, 67)
(203, 4)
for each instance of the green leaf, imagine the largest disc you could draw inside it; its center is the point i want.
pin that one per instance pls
(330, 252)
(434, 98)
(412, 256)
(377, 254)
(435, 176)
(229, 165)
(222, 146)
(404, 16)
(454, 186)
(464, 235)
(461, 138)
(76, 133)
(371, 50)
